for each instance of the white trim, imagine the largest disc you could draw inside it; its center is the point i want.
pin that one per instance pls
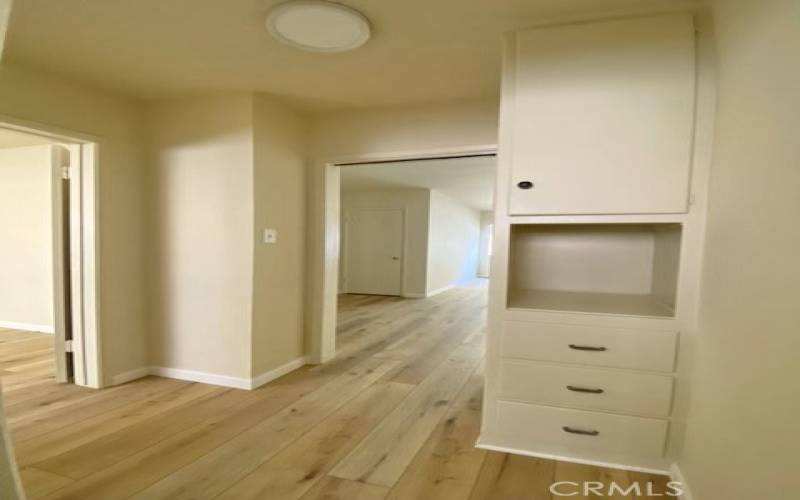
(89, 241)
(677, 476)
(123, 377)
(439, 290)
(76, 265)
(325, 252)
(28, 327)
(280, 371)
(567, 458)
(90, 248)
(211, 378)
(203, 377)
(428, 294)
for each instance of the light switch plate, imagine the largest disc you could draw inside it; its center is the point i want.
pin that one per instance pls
(270, 236)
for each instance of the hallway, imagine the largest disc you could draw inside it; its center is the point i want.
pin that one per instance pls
(395, 415)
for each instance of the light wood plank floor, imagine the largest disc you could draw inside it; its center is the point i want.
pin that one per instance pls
(394, 416)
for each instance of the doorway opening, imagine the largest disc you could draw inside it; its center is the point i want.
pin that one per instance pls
(407, 227)
(48, 261)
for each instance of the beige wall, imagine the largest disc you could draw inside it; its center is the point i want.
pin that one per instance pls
(391, 130)
(201, 242)
(453, 243)
(26, 252)
(44, 98)
(224, 168)
(740, 441)
(280, 136)
(415, 202)
(487, 219)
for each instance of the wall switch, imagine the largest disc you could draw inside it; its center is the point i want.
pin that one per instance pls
(270, 236)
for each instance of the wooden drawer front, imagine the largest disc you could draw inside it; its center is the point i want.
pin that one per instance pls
(616, 347)
(586, 388)
(604, 432)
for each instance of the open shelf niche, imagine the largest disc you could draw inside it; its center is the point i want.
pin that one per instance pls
(625, 269)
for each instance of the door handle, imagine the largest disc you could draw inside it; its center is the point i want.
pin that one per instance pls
(395, 258)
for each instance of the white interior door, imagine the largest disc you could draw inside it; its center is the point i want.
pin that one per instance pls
(374, 251)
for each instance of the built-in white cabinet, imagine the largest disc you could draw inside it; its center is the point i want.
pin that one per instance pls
(602, 117)
(600, 208)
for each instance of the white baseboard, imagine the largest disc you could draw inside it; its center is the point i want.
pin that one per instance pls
(121, 378)
(568, 458)
(203, 377)
(210, 378)
(280, 371)
(677, 476)
(428, 294)
(28, 327)
(439, 290)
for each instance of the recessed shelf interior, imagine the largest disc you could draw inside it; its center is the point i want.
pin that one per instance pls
(627, 269)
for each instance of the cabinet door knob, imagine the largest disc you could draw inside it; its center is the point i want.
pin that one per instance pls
(586, 348)
(582, 432)
(525, 184)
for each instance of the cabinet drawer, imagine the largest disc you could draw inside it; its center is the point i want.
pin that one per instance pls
(581, 430)
(586, 388)
(590, 345)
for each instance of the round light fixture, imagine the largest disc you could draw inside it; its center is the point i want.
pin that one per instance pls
(318, 25)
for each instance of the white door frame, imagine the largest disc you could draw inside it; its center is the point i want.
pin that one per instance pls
(325, 264)
(84, 246)
(345, 248)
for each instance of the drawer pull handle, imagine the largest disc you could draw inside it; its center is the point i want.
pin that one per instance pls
(586, 348)
(590, 390)
(580, 431)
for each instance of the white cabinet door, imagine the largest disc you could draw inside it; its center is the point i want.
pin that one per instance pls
(603, 117)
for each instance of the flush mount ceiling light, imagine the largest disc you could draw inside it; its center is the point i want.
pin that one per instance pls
(318, 25)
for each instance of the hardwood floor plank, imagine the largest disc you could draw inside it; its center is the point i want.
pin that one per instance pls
(26, 426)
(334, 488)
(142, 469)
(599, 478)
(513, 477)
(38, 483)
(651, 486)
(221, 468)
(447, 466)
(46, 446)
(114, 447)
(390, 447)
(294, 471)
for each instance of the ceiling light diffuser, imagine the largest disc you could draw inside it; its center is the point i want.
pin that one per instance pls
(318, 25)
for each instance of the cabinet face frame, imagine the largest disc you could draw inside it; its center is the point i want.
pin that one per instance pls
(579, 147)
(691, 255)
